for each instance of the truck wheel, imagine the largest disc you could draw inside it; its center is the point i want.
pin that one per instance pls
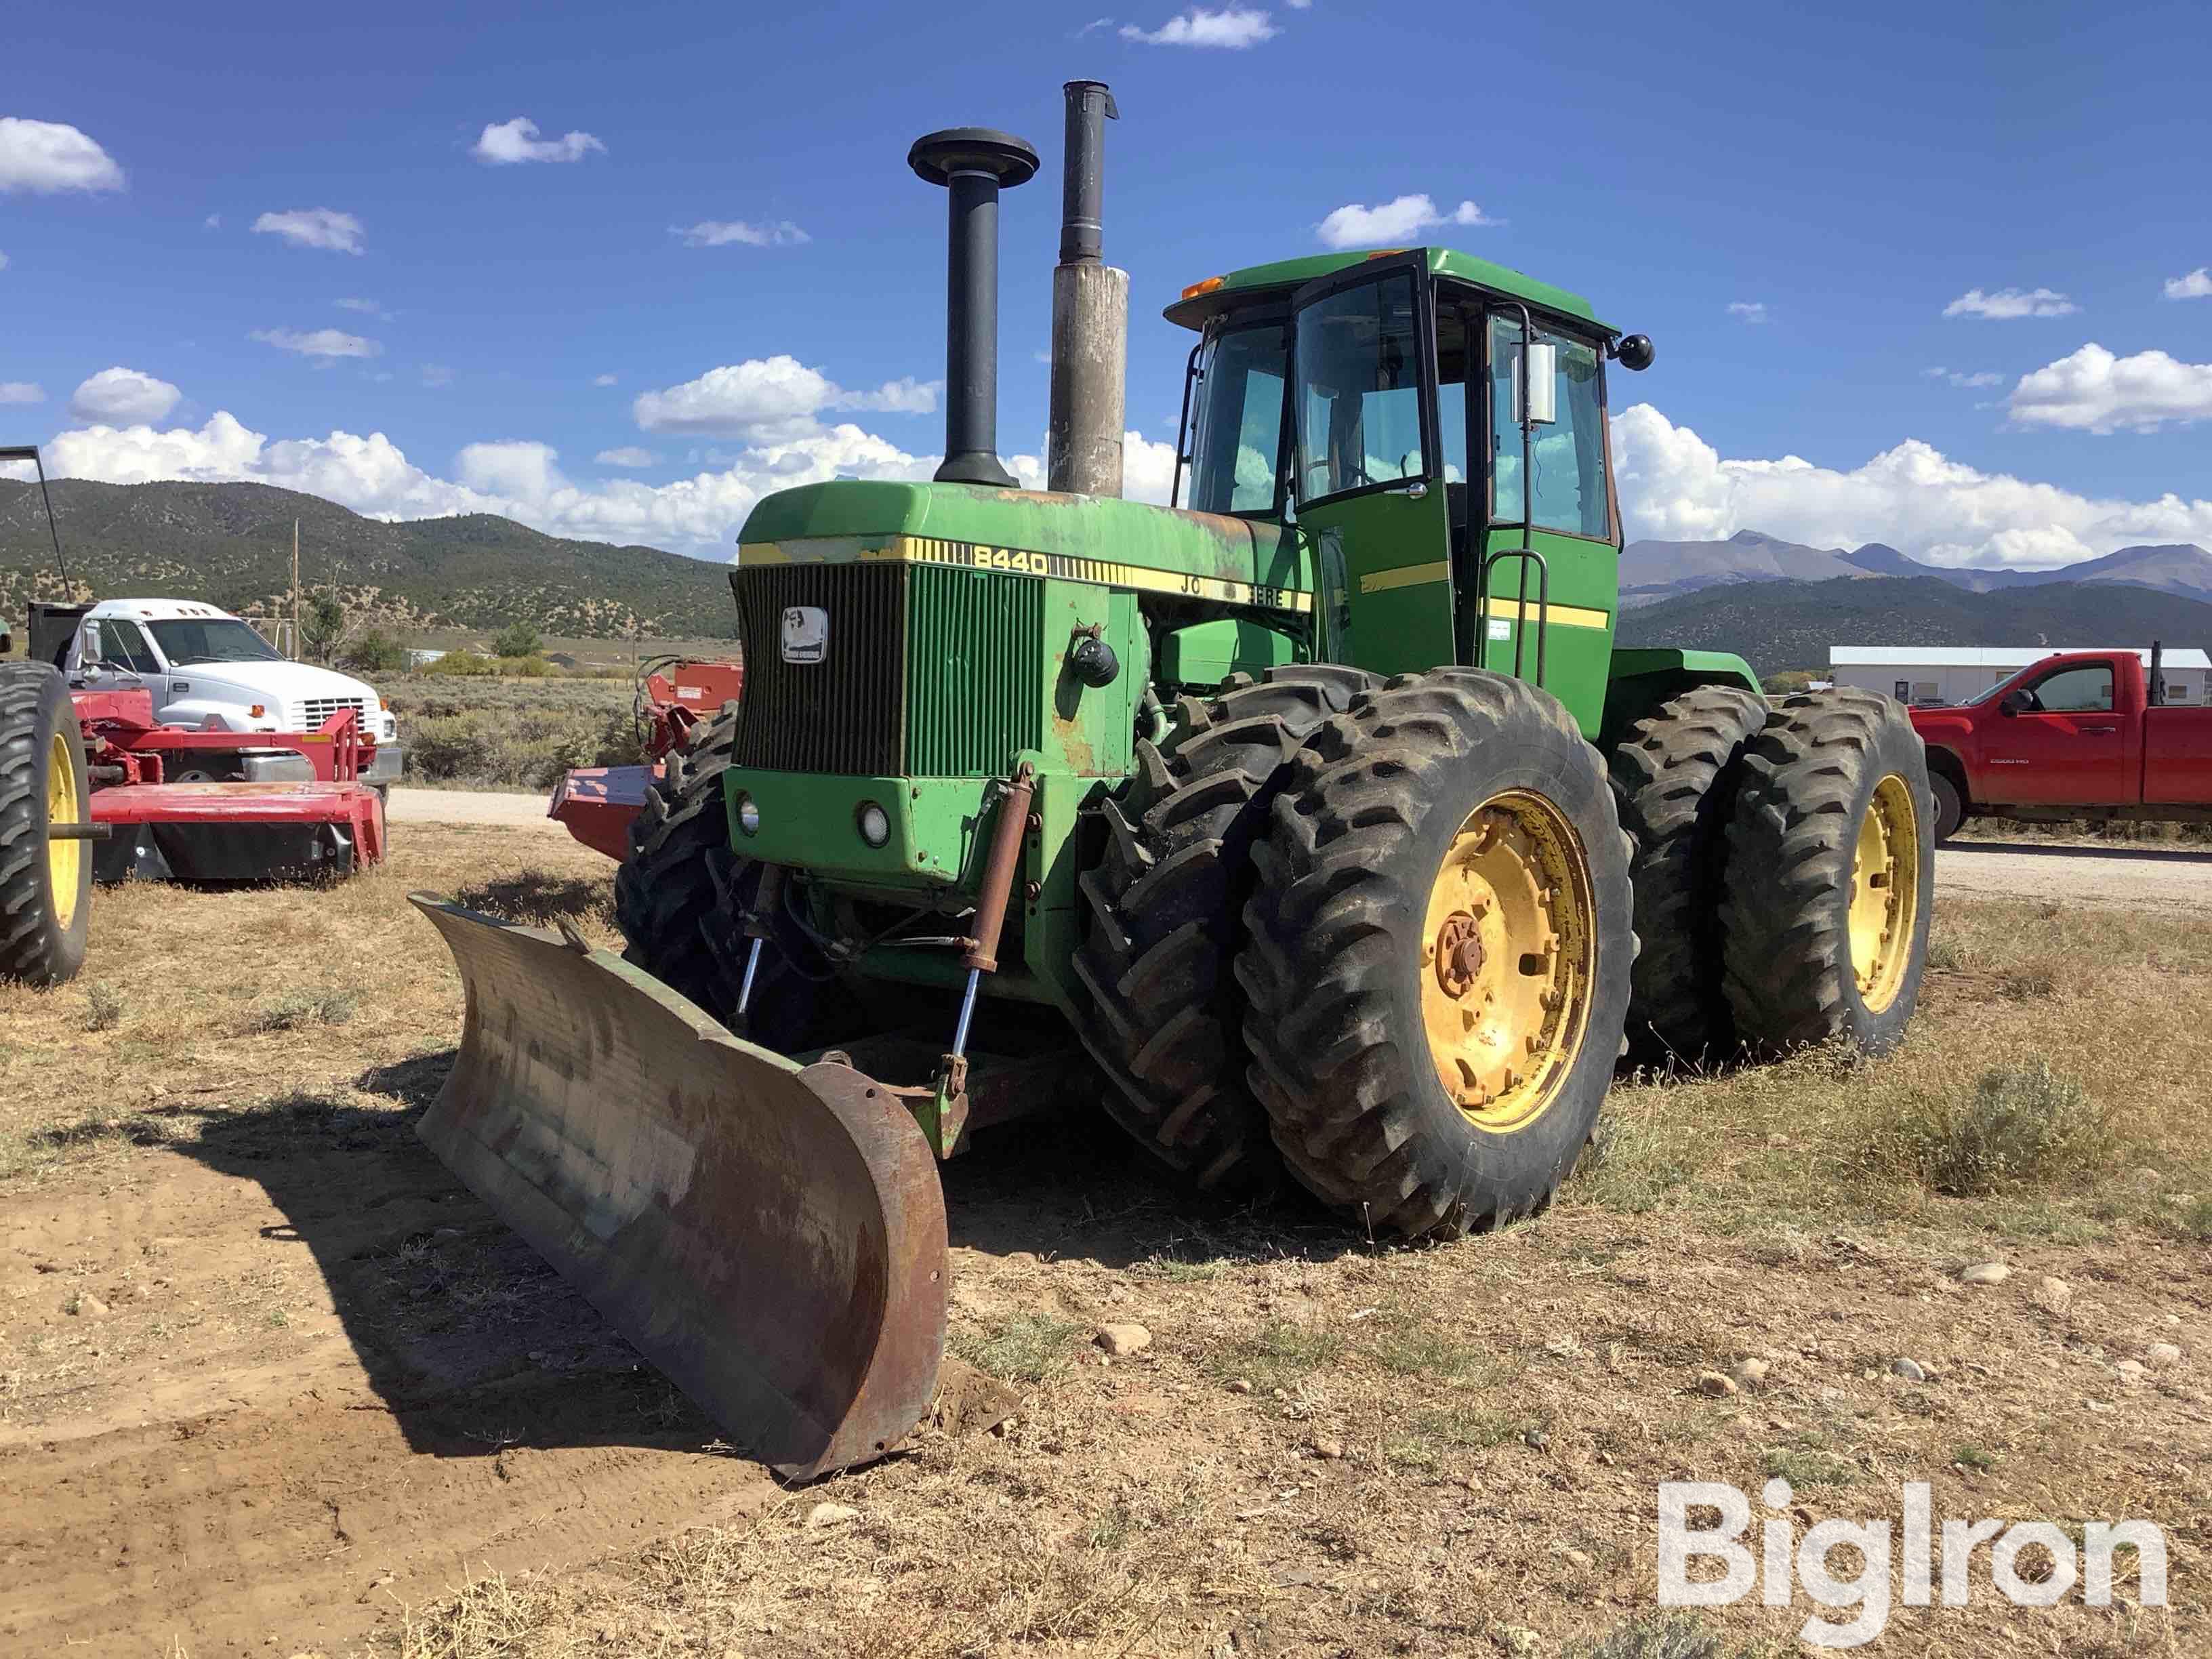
(1438, 964)
(680, 899)
(45, 885)
(1832, 873)
(1166, 903)
(1675, 779)
(1950, 809)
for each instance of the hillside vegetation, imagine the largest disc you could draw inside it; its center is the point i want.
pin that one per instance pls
(1787, 624)
(231, 544)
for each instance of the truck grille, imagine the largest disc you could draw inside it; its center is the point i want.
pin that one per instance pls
(929, 671)
(306, 716)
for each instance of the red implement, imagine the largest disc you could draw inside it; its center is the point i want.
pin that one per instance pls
(237, 831)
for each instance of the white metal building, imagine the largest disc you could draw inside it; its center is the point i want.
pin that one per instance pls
(1940, 673)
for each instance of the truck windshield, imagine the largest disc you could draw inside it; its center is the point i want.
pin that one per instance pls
(220, 639)
(1237, 431)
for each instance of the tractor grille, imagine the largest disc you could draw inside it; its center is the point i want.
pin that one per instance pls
(974, 661)
(929, 671)
(310, 713)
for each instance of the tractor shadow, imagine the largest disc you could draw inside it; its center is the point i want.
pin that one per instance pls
(471, 1341)
(537, 899)
(476, 1345)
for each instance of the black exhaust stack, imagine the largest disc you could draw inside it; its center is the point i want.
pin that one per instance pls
(1090, 313)
(974, 164)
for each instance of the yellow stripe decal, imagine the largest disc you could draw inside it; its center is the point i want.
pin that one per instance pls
(1562, 615)
(1018, 562)
(1411, 575)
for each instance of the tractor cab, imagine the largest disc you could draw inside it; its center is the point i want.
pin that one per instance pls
(1376, 402)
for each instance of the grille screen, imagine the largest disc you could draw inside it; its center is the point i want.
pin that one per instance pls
(843, 713)
(929, 671)
(973, 666)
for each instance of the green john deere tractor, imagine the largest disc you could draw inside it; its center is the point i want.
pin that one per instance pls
(1312, 825)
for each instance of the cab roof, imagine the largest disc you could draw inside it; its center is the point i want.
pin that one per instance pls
(1230, 291)
(157, 609)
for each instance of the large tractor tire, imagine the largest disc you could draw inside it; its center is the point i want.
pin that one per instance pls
(1675, 779)
(1165, 904)
(682, 895)
(1438, 964)
(1831, 874)
(45, 885)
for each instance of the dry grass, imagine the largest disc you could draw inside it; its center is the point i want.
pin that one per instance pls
(1331, 1448)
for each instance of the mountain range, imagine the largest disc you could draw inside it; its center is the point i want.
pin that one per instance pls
(231, 544)
(1652, 571)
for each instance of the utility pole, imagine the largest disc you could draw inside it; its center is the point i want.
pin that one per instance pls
(295, 587)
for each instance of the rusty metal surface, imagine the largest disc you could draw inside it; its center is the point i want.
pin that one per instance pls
(771, 1237)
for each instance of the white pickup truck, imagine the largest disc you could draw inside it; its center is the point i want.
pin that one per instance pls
(210, 672)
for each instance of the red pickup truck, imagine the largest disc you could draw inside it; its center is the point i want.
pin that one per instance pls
(2083, 734)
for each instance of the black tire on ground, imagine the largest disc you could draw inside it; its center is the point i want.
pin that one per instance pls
(1335, 969)
(1675, 779)
(1166, 905)
(682, 894)
(45, 913)
(1811, 779)
(1950, 809)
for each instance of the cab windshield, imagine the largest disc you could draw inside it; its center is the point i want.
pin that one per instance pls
(1237, 443)
(186, 640)
(1358, 390)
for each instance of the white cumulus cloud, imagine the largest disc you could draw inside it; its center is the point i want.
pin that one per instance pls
(506, 143)
(21, 392)
(2093, 391)
(122, 394)
(1750, 311)
(369, 308)
(46, 157)
(523, 480)
(1676, 487)
(2197, 285)
(720, 232)
(1233, 28)
(770, 399)
(2007, 303)
(603, 380)
(627, 455)
(324, 342)
(1399, 220)
(322, 227)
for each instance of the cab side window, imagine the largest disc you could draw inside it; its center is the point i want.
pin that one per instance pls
(123, 645)
(2084, 690)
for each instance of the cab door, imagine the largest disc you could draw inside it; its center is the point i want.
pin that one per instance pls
(2058, 741)
(1367, 465)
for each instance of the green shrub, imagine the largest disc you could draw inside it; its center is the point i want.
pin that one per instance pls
(2022, 1125)
(461, 663)
(517, 640)
(374, 652)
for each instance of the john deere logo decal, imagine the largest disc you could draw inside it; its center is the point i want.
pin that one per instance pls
(805, 633)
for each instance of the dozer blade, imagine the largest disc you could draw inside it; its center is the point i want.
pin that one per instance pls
(772, 1237)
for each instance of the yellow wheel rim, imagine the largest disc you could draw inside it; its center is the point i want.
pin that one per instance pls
(1507, 953)
(64, 859)
(1885, 893)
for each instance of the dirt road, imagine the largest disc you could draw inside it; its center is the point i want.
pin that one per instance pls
(2101, 874)
(2105, 875)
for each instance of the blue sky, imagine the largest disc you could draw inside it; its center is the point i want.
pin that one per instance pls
(1788, 203)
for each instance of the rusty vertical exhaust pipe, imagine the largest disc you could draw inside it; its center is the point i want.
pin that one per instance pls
(1090, 312)
(974, 164)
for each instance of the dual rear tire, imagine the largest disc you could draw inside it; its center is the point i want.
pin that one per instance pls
(1784, 873)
